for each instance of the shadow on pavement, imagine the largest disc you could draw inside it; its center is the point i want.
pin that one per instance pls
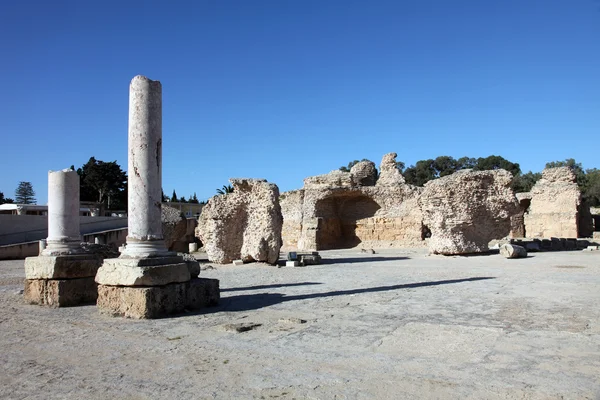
(247, 302)
(259, 287)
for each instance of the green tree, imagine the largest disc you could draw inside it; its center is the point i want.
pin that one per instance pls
(524, 182)
(24, 193)
(466, 162)
(425, 170)
(225, 189)
(591, 193)
(104, 183)
(421, 173)
(400, 165)
(182, 199)
(193, 199)
(496, 162)
(174, 196)
(5, 200)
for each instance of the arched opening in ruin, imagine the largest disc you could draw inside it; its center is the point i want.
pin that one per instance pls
(339, 216)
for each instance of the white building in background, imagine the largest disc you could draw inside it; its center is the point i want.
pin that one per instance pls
(34, 209)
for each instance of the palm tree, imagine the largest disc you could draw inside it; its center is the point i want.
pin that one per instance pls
(225, 189)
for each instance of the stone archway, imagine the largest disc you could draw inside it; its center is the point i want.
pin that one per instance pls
(337, 217)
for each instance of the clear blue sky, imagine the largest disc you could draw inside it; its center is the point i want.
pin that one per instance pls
(286, 89)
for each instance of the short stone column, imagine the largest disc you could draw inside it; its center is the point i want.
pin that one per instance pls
(148, 281)
(63, 274)
(63, 213)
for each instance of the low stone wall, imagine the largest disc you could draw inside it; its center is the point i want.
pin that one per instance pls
(20, 251)
(27, 228)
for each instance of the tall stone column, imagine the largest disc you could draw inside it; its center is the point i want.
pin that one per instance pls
(148, 281)
(145, 237)
(63, 213)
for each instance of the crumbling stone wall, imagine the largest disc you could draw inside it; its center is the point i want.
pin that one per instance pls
(555, 200)
(349, 209)
(517, 221)
(467, 209)
(245, 224)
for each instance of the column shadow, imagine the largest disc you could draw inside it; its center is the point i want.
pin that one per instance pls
(247, 302)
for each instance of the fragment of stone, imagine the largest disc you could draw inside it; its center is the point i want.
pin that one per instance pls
(241, 327)
(513, 251)
(364, 173)
(174, 225)
(389, 174)
(243, 225)
(334, 179)
(466, 210)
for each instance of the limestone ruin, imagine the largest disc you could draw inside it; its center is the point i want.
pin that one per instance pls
(467, 209)
(349, 209)
(553, 209)
(245, 224)
(148, 281)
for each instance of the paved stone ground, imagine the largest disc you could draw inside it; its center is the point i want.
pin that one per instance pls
(396, 324)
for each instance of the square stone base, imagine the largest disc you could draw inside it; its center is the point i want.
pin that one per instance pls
(157, 301)
(60, 292)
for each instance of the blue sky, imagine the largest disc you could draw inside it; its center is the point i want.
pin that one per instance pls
(286, 89)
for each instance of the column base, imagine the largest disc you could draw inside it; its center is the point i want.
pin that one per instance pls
(60, 292)
(157, 301)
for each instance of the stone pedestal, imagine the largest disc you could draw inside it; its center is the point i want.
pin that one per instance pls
(158, 301)
(148, 281)
(61, 281)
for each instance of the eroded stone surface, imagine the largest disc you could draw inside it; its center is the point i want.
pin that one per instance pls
(245, 224)
(173, 225)
(466, 210)
(364, 173)
(389, 175)
(555, 200)
(334, 211)
(157, 301)
(143, 272)
(60, 292)
(65, 267)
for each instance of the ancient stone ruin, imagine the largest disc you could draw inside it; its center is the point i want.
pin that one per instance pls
(349, 209)
(63, 274)
(148, 281)
(466, 210)
(174, 225)
(245, 224)
(553, 209)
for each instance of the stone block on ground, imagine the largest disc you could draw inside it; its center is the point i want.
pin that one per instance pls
(62, 267)
(153, 271)
(60, 292)
(309, 259)
(157, 301)
(513, 251)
